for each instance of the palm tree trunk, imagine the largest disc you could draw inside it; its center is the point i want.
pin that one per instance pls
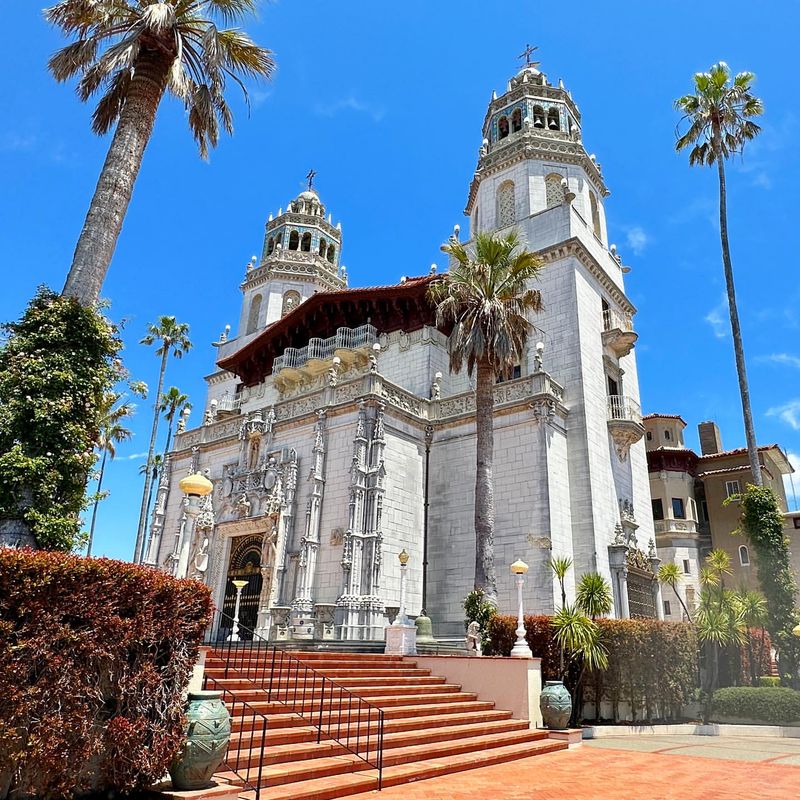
(680, 600)
(484, 489)
(736, 331)
(138, 553)
(96, 502)
(114, 188)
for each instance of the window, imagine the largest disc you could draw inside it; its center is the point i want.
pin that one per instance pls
(686, 567)
(553, 123)
(270, 246)
(797, 522)
(323, 246)
(744, 555)
(658, 509)
(613, 387)
(732, 488)
(516, 372)
(294, 240)
(502, 128)
(331, 253)
(678, 511)
(506, 210)
(290, 301)
(255, 311)
(554, 191)
(649, 436)
(692, 509)
(667, 609)
(516, 120)
(305, 244)
(667, 435)
(538, 117)
(595, 215)
(703, 511)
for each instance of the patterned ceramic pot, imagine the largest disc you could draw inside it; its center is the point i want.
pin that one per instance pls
(556, 705)
(208, 729)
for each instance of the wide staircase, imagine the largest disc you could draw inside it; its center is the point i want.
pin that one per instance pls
(324, 725)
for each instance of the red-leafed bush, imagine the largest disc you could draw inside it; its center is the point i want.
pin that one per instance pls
(94, 658)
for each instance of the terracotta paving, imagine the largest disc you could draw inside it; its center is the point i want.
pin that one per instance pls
(603, 773)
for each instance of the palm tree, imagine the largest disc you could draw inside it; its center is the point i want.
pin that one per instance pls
(561, 565)
(155, 471)
(173, 403)
(719, 117)
(172, 338)
(753, 608)
(486, 299)
(594, 595)
(579, 638)
(671, 575)
(111, 433)
(131, 52)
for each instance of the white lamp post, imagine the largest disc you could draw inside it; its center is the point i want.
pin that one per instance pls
(401, 635)
(234, 637)
(402, 619)
(520, 649)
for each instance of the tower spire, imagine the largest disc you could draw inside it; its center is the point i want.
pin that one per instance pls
(527, 53)
(310, 178)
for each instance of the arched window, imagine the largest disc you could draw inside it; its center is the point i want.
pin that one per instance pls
(744, 555)
(502, 128)
(291, 300)
(294, 240)
(323, 246)
(270, 245)
(595, 214)
(554, 191)
(516, 120)
(305, 243)
(506, 211)
(538, 117)
(553, 123)
(255, 311)
(331, 253)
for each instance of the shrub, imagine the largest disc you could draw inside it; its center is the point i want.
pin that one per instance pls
(652, 665)
(769, 680)
(478, 609)
(773, 704)
(94, 658)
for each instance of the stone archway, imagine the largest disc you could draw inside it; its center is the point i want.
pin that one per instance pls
(245, 564)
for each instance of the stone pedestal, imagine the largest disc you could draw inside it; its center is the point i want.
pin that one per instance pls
(401, 640)
(302, 626)
(325, 614)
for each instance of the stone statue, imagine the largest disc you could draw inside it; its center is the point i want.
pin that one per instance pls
(243, 506)
(201, 557)
(473, 639)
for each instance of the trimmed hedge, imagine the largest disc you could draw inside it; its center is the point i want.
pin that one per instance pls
(652, 665)
(94, 658)
(769, 680)
(772, 704)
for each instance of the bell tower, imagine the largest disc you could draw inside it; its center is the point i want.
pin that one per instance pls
(300, 256)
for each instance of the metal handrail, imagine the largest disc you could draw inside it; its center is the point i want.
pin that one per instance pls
(336, 712)
(242, 710)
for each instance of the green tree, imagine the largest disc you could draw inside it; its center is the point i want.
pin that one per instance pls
(112, 432)
(594, 595)
(56, 365)
(753, 608)
(155, 472)
(762, 523)
(172, 338)
(671, 575)
(130, 52)
(718, 122)
(486, 300)
(172, 405)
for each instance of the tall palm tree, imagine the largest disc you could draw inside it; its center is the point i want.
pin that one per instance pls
(131, 52)
(155, 471)
(487, 299)
(173, 402)
(719, 119)
(111, 433)
(172, 338)
(671, 574)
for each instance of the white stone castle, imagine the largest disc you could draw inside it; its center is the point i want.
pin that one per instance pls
(335, 436)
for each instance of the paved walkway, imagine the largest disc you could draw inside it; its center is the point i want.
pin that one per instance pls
(629, 768)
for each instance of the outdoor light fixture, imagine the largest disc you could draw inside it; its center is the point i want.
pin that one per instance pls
(196, 485)
(520, 649)
(403, 558)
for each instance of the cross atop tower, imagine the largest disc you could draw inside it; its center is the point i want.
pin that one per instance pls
(527, 53)
(310, 178)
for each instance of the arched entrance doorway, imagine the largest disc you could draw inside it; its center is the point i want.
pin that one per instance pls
(244, 564)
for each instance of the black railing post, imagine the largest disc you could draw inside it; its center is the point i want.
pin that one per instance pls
(321, 706)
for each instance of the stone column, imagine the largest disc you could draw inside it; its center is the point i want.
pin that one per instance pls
(618, 562)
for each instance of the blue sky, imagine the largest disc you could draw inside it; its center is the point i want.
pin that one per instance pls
(386, 103)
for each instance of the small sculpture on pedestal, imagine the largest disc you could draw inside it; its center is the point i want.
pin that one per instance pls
(473, 640)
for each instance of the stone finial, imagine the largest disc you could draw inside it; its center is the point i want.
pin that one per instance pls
(651, 549)
(433, 269)
(538, 357)
(436, 387)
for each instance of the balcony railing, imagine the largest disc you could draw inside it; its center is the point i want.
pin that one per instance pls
(624, 408)
(613, 321)
(323, 349)
(229, 403)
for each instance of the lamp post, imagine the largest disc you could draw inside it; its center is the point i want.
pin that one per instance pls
(234, 637)
(402, 619)
(520, 649)
(195, 487)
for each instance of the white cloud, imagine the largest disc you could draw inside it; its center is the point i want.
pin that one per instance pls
(762, 180)
(788, 413)
(637, 239)
(349, 103)
(718, 318)
(136, 456)
(782, 358)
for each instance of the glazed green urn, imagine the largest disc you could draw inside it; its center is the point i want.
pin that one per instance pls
(555, 704)
(208, 730)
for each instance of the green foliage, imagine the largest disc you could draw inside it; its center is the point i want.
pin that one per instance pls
(594, 595)
(769, 680)
(579, 638)
(762, 523)
(94, 657)
(652, 665)
(774, 704)
(478, 608)
(56, 364)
